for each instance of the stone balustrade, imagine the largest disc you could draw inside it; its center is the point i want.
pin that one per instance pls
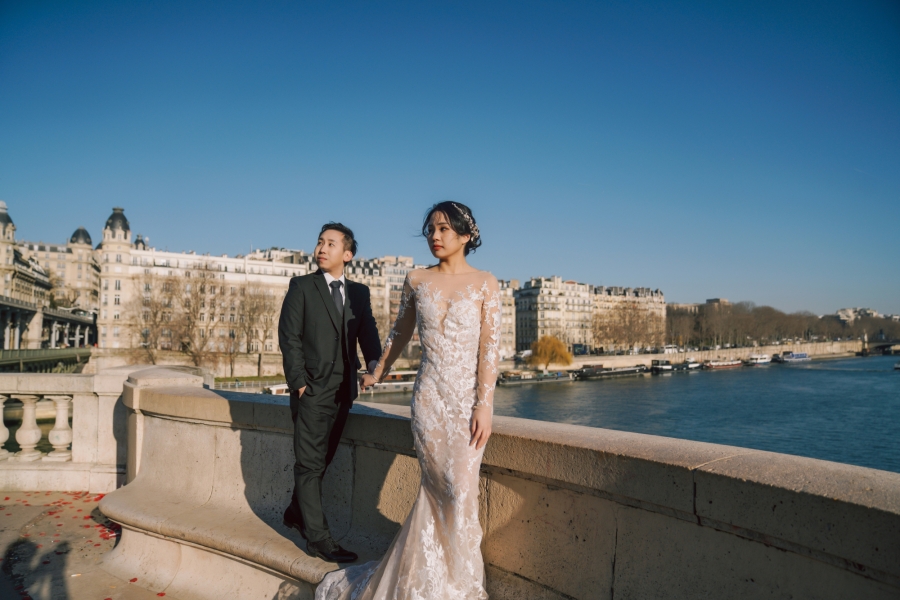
(88, 455)
(568, 511)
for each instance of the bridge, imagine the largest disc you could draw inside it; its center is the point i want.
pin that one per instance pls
(27, 325)
(881, 347)
(45, 360)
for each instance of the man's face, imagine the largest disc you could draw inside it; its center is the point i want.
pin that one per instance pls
(331, 253)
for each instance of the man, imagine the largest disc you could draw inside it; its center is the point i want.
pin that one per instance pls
(322, 318)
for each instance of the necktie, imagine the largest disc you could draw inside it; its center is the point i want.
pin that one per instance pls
(336, 295)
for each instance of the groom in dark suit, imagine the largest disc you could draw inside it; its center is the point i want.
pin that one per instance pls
(323, 317)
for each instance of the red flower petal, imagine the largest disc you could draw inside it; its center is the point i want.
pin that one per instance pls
(133, 580)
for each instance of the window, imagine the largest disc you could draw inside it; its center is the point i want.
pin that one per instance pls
(115, 332)
(115, 316)
(202, 316)
(118, 284)
(118, 258)
(117, 300)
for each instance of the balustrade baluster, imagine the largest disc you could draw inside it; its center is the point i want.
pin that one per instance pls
(29, 434)
(61, 435)
(4, 432)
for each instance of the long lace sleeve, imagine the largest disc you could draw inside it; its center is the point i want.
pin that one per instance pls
(489, 344)
(400, 333)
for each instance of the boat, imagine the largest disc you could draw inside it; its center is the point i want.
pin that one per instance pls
(394, 382)
(279, 389)
(897, 366)
(658, 367)
(589, 372)
(525, 377)
(758, 359)
(791, 357)
(723, 364)
(688, 365)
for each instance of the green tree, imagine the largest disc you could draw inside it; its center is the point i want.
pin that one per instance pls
(548, 350)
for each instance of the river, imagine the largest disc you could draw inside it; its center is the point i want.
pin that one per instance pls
(844, 410)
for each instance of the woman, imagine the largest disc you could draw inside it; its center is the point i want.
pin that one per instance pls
(437, 553)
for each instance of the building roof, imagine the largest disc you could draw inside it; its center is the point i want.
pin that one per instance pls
(81, 236)
(117, 220)
(4, 214)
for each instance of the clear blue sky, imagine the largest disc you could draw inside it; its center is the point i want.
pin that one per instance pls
(743, 150)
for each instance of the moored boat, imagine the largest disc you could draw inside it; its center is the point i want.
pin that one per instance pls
(688, 365)
(792, 357)
(589, 372)
(394, 382)
(524, 377)
(758, 359)
(661, 366)
(723, 364)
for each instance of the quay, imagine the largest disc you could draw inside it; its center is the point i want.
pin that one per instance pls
(196, 480)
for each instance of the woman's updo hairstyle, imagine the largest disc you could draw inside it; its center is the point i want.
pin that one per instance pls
(461, 221)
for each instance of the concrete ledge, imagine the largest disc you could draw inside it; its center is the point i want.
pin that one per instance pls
(568, 511)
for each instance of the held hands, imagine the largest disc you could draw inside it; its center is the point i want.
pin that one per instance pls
(481, 426)
(367, 381)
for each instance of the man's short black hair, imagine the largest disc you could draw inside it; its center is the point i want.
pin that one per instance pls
(349, 240)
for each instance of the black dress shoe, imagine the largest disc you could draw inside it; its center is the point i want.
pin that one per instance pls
(291, 521)
(330, 550)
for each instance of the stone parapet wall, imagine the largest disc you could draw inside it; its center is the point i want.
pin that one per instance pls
(97, 438)
(568, 511)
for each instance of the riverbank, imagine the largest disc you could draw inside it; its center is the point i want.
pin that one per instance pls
(814, 349)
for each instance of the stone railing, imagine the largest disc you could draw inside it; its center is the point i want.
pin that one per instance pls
(86, 455)
(567, 511)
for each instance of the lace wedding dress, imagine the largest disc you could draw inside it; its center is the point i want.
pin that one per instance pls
(437, 553)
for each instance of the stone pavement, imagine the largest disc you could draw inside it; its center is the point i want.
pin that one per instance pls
(51, 544)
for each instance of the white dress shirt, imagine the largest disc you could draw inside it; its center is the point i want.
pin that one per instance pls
(328, 279)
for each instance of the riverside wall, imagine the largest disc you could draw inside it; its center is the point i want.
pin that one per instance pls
(567, 511)
(814, 349)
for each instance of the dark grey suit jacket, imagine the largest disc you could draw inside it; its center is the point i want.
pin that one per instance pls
(309, 330)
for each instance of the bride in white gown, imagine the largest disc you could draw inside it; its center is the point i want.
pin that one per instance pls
(437, 553)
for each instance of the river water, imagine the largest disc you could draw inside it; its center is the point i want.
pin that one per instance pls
(843, 410)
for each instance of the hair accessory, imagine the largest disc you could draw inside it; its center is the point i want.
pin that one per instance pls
(469, 220)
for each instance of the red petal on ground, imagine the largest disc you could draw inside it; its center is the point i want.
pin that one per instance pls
(96, 544)
(7, 498)
(133, 580)
(88, 517)
(26, 535)
(55, 535)
(87, 526)
(161, 594)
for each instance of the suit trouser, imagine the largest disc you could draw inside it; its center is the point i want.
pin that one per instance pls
(318, 425)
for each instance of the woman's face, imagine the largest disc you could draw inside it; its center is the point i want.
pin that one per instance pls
(442, 240)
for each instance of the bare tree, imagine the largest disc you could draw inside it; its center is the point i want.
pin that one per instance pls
(259, 312)
(150, 313)
(197, 315)
(61, 295)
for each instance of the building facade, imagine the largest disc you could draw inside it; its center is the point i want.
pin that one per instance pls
(508, 318)
(72, 268)
(628, 318)
(551, 306)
